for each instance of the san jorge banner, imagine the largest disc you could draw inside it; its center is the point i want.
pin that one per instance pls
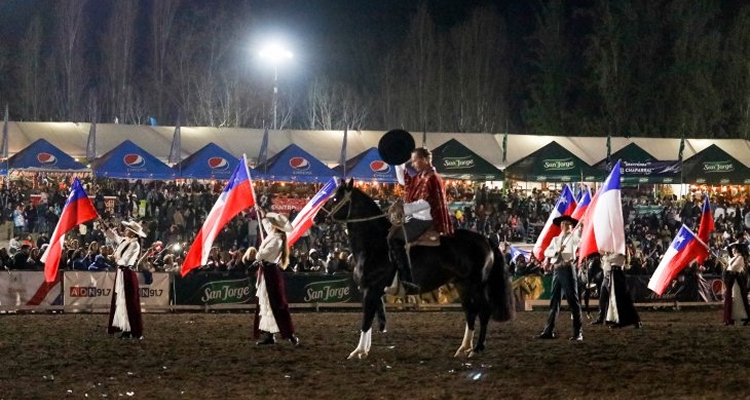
(210, 288)
(328, 291)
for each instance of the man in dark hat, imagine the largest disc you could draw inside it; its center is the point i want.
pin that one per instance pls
(425, 207)
(561, 254)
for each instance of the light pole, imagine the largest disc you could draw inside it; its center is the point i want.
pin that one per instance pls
(276, 54)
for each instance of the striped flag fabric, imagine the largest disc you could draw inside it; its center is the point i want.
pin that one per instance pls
(515, 252)
(603, 224)
(706, 225)
(236, 197)
(564, 206)
(685, 248)
(303, 221)
(78, 209)
(582, 204)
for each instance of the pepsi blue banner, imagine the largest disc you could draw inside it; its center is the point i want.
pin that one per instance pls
(209, 162)
(368, 166)
(293, 164)
(128, 161)
(43, 156)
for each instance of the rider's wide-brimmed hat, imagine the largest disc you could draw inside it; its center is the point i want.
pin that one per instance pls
(279, 221)
(564, 218)
(395, 146)
(134, 227)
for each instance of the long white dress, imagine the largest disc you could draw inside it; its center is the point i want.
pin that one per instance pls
(269, 251)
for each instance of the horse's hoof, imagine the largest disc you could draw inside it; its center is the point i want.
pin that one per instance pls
(360, 354)
(462, 351)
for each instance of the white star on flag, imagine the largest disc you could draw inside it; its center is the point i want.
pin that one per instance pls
(678, 241)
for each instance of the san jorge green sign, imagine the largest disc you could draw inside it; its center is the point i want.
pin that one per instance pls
(718, 166)
(330, 291)
(227, 292)
(559, 164)
(458, 162)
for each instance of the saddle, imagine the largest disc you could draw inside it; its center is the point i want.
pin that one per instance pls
(430, 238)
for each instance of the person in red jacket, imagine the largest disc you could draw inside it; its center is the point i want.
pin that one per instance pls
(425, 207)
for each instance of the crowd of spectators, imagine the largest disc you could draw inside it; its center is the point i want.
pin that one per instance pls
(172, 212)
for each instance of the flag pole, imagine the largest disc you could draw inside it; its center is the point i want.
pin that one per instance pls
(252, 188)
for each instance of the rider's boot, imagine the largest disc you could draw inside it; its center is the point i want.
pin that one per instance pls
(399, 257)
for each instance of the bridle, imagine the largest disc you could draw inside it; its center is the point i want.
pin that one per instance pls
(347, 200)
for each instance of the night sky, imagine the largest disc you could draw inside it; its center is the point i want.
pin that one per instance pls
(322, 33)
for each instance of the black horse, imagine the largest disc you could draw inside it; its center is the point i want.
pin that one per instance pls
(465, 259)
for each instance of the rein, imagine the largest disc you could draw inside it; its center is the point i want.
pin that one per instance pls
(348, 200)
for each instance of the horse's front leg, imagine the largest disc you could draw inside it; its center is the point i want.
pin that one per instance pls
(370, 304)
(484, 320)
(381, 316)
(468, 342)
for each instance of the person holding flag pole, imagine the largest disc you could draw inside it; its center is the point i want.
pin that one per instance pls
(561, 254)
(125, 310)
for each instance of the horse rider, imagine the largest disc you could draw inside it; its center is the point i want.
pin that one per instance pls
(425, 209)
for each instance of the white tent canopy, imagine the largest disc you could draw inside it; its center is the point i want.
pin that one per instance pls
(326, 145)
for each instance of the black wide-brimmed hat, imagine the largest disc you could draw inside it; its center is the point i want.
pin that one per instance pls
(395, 146)
(559, 220)
(741, 246)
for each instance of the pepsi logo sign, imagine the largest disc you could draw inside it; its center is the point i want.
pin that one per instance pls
(46, 158)
(380, 167)
(218, 163)
(134, 160)
(299, 163)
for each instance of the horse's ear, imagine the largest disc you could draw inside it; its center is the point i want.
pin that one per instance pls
(350, 184)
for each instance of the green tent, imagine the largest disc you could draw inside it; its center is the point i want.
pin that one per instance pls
(639, 166)
(630, 153)
(714, 166)
(455, 161)
(552, 163)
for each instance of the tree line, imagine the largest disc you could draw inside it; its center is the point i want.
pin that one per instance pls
(664, 68)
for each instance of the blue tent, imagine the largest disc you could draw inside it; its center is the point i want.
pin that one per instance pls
(292, 164)
(368, 166)
(209, 162)
(128, 161)
(42, 156)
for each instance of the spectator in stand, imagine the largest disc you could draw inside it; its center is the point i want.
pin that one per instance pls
(21, 258)
(317, 264)
(19, 220)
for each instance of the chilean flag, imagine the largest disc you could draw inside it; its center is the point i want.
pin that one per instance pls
(603, 226)
(583, 204)
(706, 226)
(78, 210)
(236, 197)
(304, 219)
(685, 248)
(564, 206)
(515, 252)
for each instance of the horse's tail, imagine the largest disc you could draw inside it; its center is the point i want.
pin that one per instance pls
(498, 289)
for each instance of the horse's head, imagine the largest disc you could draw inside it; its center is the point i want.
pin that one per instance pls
(347, 204)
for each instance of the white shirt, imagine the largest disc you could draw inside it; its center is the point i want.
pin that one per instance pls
(612, 260)
(270, 249)
(419, 209)
(128, 249)
(568, 253)
(736, 264)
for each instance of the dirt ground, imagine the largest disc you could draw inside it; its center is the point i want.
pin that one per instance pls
(677, 354)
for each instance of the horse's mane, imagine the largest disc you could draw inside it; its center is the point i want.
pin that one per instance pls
(367, 235)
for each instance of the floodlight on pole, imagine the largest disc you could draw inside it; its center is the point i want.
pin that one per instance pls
(276, 54)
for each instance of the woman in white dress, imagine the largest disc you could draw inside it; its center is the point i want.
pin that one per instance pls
(735, 286)
(272, 313)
